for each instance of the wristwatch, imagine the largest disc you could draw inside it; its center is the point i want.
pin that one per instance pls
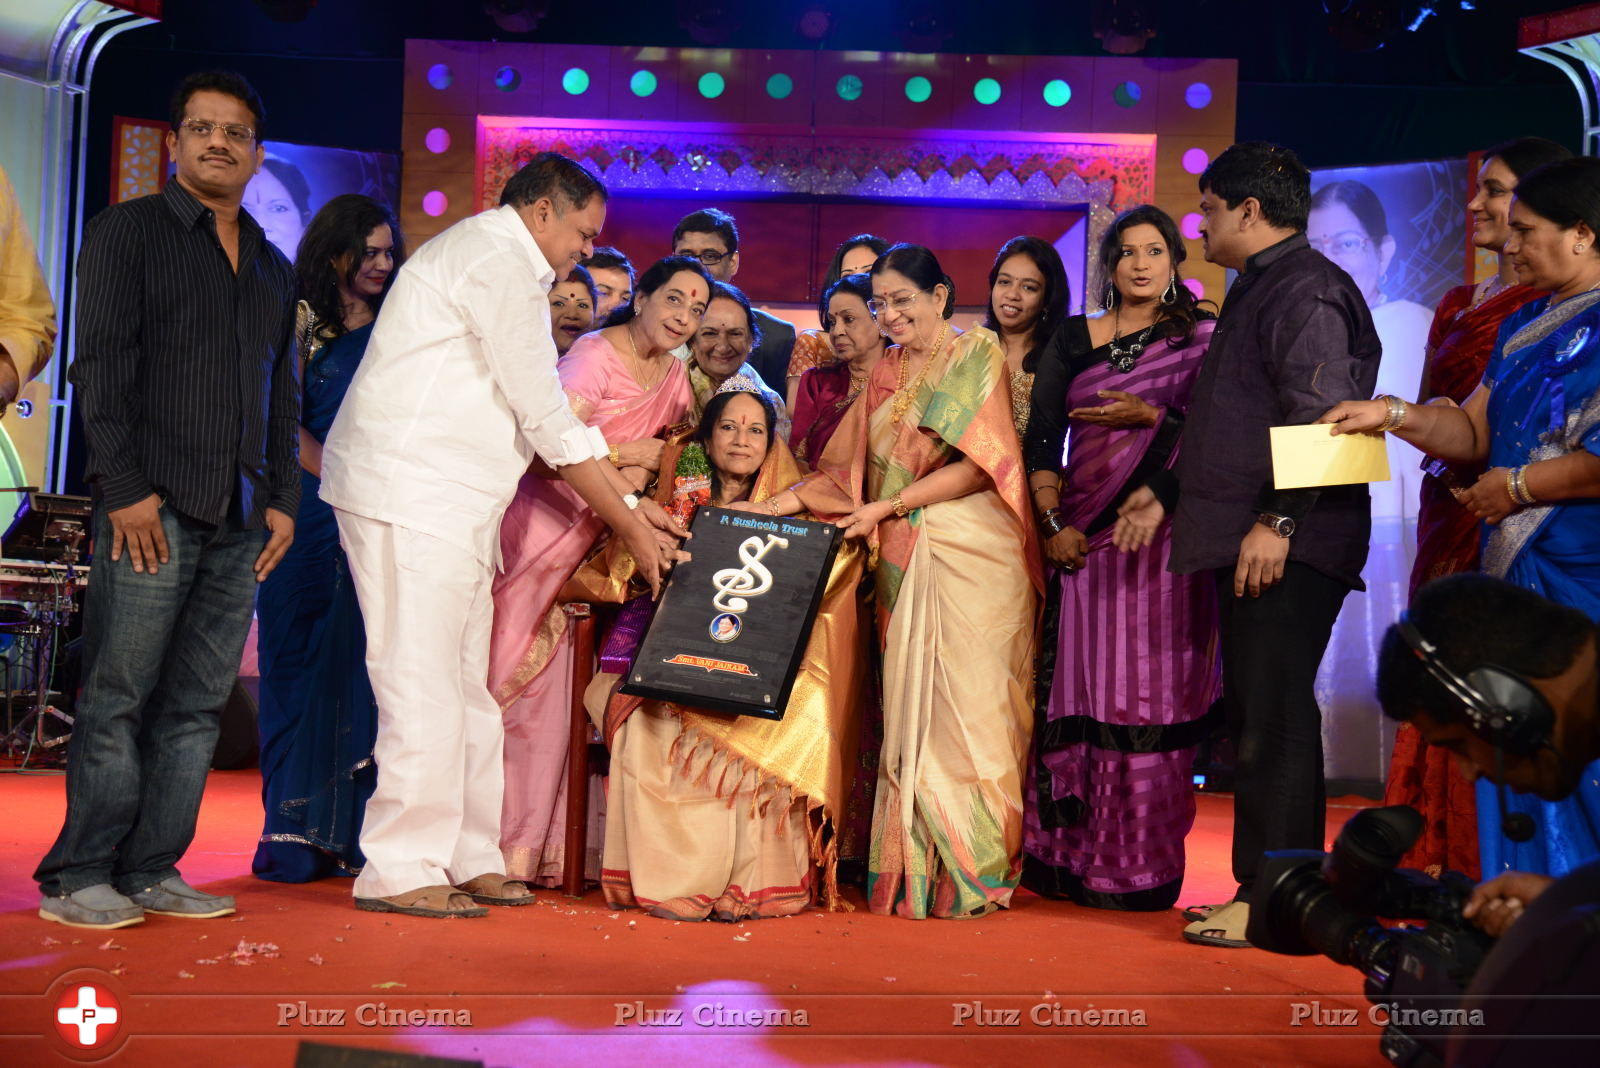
(1281, 525)
(631, 500)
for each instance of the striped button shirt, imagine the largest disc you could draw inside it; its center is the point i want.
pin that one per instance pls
(184, 374)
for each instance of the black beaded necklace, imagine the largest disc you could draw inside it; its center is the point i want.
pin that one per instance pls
(1124, 359)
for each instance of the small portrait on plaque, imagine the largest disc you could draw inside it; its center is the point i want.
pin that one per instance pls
(734, 620)
(725, 628)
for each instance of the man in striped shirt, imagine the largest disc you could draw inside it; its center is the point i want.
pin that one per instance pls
(186, 386)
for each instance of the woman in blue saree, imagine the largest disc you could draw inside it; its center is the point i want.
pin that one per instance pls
(1536, 420)
(318, 717)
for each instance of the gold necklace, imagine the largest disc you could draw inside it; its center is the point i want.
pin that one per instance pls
(903, 396)
(639, 364)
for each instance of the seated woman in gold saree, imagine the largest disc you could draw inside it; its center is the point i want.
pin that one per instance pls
(927, 468)
(708, 814)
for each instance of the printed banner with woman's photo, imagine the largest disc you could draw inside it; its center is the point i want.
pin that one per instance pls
(1398, 231)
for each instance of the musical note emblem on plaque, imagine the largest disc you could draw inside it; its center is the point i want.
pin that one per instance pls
(734, 620)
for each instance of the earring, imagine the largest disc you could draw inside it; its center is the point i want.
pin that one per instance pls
(1110, 298)
(1578, 247)
(1171, 294)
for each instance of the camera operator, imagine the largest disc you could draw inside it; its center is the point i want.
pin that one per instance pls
(1509, 682)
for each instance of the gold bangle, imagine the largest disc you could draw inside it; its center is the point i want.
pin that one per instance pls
(1519, 487)
(772, 504)
(900, 508)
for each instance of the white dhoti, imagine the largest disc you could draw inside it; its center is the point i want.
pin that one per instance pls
(435, 814)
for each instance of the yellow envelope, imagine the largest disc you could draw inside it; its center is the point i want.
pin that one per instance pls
(1314, 456)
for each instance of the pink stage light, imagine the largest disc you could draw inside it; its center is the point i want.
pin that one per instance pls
(1191, 226)
(435, 203)
(1197, 287)
(1195, 160)
(437, 140)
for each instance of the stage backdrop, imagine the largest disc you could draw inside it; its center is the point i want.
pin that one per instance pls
(792, 139)
(296, 180)
(1399, 232)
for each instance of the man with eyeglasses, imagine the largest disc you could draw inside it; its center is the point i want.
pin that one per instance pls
(711, 236)
(186, 385)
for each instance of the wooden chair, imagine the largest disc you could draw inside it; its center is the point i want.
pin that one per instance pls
(580, 625)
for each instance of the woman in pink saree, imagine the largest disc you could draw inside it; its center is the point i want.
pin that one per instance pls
(625, 381)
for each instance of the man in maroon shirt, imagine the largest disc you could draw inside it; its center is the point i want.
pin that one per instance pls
(1294, 337)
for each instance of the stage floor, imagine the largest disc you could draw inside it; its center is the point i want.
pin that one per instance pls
(574, 982)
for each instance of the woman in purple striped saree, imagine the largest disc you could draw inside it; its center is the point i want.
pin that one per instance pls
(1128, 665)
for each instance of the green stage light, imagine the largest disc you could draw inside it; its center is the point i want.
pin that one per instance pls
(712, 85)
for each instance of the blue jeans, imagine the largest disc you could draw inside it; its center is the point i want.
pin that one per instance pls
(161, 653)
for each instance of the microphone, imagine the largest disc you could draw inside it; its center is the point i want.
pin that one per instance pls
(1517, 826)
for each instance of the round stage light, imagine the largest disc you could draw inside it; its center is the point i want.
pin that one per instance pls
(1191, 226)
(712, 85)
(437, 140)
(643, 83)
(1197, 95)
(440, 76)
(779, 86)
(506, 79)
(1057, 93)
(1197, 287)
(435, 203)
(1195, 160)
(918, 89)
(849, 87)
(986, 91)
(575, 81)
(1127, 94)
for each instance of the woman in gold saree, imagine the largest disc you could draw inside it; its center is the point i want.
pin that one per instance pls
(713, 815)
(927, 467)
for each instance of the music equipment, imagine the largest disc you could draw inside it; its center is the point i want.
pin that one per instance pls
(40, 578)
(40, 583)
(48, 526)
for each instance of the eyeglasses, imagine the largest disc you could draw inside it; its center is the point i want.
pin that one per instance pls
(877, 306)
(235, 132)
(710, 257)
(1345, 243)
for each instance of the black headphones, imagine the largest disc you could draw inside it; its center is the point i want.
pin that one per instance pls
(1503, 708)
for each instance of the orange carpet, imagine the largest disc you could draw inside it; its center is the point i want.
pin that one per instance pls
(573, 982)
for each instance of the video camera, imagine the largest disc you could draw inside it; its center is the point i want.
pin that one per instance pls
(1307, 902)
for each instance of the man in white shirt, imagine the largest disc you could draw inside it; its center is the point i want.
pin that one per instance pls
(456, 396)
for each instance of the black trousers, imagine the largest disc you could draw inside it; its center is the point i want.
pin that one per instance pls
(1271, 648)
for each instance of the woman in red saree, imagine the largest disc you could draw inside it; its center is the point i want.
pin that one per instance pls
(1448, 535)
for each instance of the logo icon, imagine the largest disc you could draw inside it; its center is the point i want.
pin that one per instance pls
(87, 1015)
(751, 580)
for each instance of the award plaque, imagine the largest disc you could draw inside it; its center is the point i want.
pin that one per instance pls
(734, 620)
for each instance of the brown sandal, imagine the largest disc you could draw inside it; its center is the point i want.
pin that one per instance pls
(490, 889)
(1201, 912)
(433, 902)
(1225, 927)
